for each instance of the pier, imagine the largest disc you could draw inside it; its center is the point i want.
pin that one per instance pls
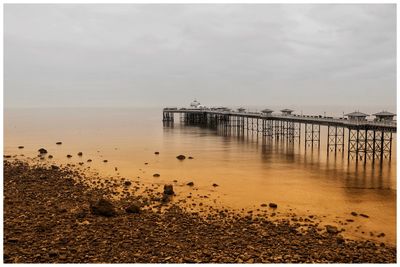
(366, 140)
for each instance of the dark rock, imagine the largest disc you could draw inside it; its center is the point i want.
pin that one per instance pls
(53, 253)
(69, 156)
(58, 143)
(7, 156)
(165, 198)
(42, 151)
(364, 215)
(340, 239)
(54, 167)
(354, 213)
(381, 235)
(50, 156)
(20, 147)
(156, 152)
(264, 205)
(215, 185)
(190, 157)
(89, 160)
(81, 214)
(190, 184)
(156, 175)
(103, 207)
(133, 208)
(105, 160)
(181, 157)
(127, 183)
(273, 205)
(12, 240)
(168, 189)
(80, 154)
(331, 229)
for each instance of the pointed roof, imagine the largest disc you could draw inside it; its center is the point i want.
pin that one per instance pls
(267, 110)
(384, 113)
(356, 114)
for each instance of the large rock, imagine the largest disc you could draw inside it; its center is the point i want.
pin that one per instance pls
(42, 151)
(331, 229)
(273, 205)
(181, 157)
(168, 189)
(133, 208)
(103, 207)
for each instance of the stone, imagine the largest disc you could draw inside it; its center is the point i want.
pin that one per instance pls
(331, 229)
(53, 253)
(156, 175)
(190, 157)
(81, 214)
(127, 183)
(20, 147)
(58, 143)
(80, 154)
(156, 152)
(42, 151)
(89, 160)
(340, 239)
(215, 185)
(364, 215)
(69, 156)
(105, 160)
(165, 198)
(354, 213)
(273, 205)
(54, 167)
(133, 209)
(103, 207)
(181, 157)
(50, 156)
(264, 205)
(190, 184)
(168, 189)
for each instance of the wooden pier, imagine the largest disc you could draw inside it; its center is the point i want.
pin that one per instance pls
(366, 140)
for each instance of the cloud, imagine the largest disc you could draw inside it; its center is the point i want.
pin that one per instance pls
(162, 55)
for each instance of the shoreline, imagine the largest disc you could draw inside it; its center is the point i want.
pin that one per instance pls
(48, 217)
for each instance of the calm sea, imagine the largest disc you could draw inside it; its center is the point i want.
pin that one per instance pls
(248, 171)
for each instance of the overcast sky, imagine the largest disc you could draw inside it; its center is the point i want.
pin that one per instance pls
(166, 55)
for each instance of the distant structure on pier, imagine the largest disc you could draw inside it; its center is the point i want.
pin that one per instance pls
(267, 111)
(384, 116)
(195, 104)
(287, 111)
(356, 116)
(241, 109)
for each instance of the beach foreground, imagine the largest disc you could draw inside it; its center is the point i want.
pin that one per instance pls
(51, 215)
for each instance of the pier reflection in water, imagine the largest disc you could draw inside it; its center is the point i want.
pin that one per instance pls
(249, 170)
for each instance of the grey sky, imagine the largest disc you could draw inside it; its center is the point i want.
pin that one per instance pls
(157, 55)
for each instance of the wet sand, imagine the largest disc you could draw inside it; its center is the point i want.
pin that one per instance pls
(49, 217)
